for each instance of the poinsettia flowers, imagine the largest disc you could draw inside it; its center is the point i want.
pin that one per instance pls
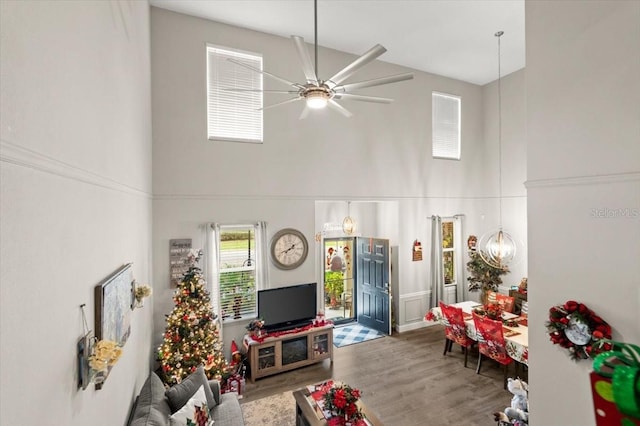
(341, 400)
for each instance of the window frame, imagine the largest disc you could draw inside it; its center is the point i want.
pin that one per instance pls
(438, 128)
(240, 109)
(248, 310)
(457, 252)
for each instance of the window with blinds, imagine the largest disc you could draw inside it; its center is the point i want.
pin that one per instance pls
(446, 126)
(237, 272)
(234, 115)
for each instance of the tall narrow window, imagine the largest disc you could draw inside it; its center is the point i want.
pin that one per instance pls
(240, 267)
(452, 259)
(448, 252)
(446, 119)
(234, 95)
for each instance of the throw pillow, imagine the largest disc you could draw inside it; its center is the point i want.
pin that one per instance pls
(179, 394)
(194, 413)
(151, 407)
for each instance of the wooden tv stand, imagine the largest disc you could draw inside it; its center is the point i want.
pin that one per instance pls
(292, 350)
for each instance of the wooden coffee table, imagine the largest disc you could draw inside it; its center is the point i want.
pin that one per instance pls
(308, 413)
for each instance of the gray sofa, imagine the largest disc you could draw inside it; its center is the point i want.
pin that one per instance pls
(155, 404)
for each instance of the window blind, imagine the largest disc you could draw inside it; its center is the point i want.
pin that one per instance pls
(446, 126)
(237, 272)
(233, 115)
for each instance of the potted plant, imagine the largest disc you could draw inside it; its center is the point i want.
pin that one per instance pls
(334, 286)
(484, 277)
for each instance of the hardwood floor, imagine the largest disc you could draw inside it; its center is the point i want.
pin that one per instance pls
(405, 380)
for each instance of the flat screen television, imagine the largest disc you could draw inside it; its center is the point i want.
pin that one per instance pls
(287, 307)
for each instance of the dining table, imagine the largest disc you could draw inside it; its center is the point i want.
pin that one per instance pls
(515, 329)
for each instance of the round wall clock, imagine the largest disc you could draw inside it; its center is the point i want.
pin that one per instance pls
(289, 248)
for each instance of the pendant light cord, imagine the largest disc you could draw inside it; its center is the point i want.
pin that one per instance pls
(500, 127)
(315, 33)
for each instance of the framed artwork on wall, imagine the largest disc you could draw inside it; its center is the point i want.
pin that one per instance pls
(114, 297)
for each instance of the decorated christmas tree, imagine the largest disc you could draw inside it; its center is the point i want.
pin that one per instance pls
(192, 335)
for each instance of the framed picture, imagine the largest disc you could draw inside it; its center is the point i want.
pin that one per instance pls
(178, 252)
(114, 297)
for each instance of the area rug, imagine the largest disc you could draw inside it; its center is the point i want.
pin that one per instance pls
(276, 410)
(352, 334)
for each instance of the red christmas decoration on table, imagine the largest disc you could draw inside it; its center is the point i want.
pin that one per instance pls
(340, 400)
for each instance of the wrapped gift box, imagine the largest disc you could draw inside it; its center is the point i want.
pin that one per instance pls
(606, 412)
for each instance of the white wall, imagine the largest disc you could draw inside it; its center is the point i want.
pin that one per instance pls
(382, 154)
(75, 167)
(583, 133)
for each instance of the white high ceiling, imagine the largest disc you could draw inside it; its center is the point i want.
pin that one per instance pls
(453, 38)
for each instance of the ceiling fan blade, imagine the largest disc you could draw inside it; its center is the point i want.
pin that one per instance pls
(374, 82)
(354, 66)
(363, 98)
(285, 81)
(305, 112)
(305, 60)
(336, 106)
(281, 103)
(293, 92)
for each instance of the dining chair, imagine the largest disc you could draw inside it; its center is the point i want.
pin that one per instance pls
(491, 342)
(455, 330)
(506, 302)
(524, 310)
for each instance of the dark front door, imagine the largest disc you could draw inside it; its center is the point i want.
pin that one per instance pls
(372, 283)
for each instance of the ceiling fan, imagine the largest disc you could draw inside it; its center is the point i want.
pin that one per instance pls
(321, 93)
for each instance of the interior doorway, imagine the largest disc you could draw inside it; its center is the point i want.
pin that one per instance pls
(371, 298)
(356, 282)
(338, 274)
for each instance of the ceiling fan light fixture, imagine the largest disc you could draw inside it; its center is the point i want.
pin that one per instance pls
(320, 93)
(317, 99)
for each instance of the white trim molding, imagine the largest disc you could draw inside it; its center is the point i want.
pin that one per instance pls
(583, 180)
(413, 307)
(20, 156)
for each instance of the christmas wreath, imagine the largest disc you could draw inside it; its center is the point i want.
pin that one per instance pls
(577, 328)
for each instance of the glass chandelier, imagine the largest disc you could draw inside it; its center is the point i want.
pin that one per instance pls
(348, 224)
(498, 248)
